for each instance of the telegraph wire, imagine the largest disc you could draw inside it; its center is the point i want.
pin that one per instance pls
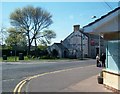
(108, 5)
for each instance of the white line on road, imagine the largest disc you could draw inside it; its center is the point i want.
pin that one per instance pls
(8, 80)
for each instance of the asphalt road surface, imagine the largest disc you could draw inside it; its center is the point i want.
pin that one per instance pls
(13, 73)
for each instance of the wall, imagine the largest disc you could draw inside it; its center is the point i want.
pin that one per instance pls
(92, 48)
(111, 74)
(111, 80)
(113, 55)
(73, 44)
(54, 46)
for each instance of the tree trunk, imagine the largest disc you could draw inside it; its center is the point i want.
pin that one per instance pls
(29, 44)
(29, 48)
(35, 48)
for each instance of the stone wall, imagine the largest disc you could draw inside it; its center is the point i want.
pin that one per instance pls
(73, 44)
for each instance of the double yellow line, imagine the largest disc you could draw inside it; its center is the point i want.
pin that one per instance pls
(18, 88)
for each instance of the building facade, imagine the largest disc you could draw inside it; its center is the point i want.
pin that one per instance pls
(96, 45)
(78, 45)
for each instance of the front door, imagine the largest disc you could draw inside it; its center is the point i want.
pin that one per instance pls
(97, 51)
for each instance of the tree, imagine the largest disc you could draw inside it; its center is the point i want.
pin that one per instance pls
(3, 35)
(42, 47)
(46, 36)
(32, 20)
(16, 39)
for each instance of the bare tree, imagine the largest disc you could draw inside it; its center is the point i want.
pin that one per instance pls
(32, 20)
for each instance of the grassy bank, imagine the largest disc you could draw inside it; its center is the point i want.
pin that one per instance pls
(26, 59)
(16, 59)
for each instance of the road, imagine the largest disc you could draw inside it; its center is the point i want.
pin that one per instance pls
(13, 73)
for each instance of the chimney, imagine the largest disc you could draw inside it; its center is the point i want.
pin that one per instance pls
(76, 27)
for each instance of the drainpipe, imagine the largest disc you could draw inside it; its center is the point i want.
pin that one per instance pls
(99, 45)
(81, 46)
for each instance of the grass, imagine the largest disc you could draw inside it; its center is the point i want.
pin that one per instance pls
(0, 59)
(16, 59)
(10, 59)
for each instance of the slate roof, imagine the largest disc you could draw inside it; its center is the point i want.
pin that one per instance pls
(60, 46)
(102, 17)
(74, 32)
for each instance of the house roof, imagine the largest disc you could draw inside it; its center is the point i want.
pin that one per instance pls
(102, 17)
(68, 36)
(74, 32)
(60, 45)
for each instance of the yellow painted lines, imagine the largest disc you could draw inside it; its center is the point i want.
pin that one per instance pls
(19, 86)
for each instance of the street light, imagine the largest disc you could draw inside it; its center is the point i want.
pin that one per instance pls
(93, 17)
(100, 36)
(81, 46)
(99, 45)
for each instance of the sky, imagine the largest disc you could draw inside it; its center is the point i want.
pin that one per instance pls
(64, 14)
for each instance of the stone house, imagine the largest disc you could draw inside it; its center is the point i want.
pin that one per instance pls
(78, 45)
(96, 45)
(61, 50)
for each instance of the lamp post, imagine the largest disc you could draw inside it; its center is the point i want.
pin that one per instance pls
(100, 36)
(94, 17)
(81, 47)
(99, 45)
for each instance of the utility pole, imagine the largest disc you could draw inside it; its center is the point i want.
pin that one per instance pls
(81, 47)
(99, 44)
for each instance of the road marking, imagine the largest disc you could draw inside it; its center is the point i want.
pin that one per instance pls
(16, 88)
(13, 79)
(8, 80)
(19, 86)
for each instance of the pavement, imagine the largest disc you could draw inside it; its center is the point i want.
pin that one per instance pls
(65, 81)
(88, 85)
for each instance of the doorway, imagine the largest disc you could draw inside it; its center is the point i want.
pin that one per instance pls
(97, 51)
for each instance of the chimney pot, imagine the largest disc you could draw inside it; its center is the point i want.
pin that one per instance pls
(76, 27)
